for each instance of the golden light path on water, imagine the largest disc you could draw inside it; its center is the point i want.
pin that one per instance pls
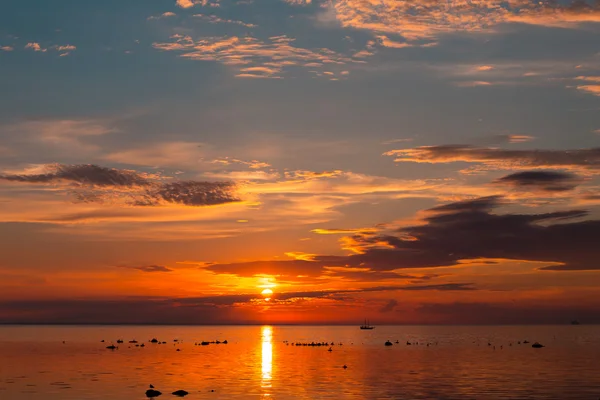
(267, 359)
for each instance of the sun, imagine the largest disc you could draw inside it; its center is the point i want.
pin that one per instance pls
(267, 292)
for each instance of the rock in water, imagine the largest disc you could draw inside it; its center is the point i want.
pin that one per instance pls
(151, 393)
(180, 393)
(537, 345)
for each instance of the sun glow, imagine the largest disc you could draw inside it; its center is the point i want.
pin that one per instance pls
(267, 292)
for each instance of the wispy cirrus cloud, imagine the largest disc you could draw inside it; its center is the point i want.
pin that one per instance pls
(213, 19)
(59, 137)
(148, 268)
(167, 14)
(583, 160)
(253, 57)
(593, 85)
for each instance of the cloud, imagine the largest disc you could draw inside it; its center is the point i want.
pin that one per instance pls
(35, 47)
(84, 174)
(321, 231)
(69, 136)
(253, 164)
(502, 313)
(387, 42)
(7, 48)
(455, 232)
(422, 19)
(548, 181)
(185, 3)
(90, 183)
(298, 2)
(513, 138)
(593, 88)
(290, 268)
(583, 160)
(389, 306)
(469, 230)
(67, 47)
(149, 268)
(213, 19)
(167, 14)
(192, 193)
(272, 57)
(162, 154)
(214, 309)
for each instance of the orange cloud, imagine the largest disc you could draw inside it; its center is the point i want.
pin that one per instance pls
(35, 47)
(252, 57)
(593, 88)
(213, 19)
(422, 19)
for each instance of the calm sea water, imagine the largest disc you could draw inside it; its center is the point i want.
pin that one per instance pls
(261, 362)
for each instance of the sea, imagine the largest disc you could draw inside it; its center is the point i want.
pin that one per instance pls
(285, 362)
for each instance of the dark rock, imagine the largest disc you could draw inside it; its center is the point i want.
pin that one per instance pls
(388, 343)
(180, 393)
(150, 393)
(537, 345)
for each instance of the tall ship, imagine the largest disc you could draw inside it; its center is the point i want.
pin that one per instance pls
(366, 325)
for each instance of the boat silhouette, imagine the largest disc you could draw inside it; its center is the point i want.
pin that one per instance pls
(366, 325)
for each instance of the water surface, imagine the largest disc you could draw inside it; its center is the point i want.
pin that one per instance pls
(262, 362)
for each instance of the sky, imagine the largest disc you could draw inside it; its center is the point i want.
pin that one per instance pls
(300, 161)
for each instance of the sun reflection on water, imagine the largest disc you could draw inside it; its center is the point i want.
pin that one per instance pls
(267, 358)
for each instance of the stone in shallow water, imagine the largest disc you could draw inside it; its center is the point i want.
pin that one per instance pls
(150, 393)
(180, 393)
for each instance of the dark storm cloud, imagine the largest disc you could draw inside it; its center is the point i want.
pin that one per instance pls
(89, 183)
(578, 159)
(548, 181)
(84, 174)
(149, 268)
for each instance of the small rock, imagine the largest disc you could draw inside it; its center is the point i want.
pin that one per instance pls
(180, 393)
(150, 393)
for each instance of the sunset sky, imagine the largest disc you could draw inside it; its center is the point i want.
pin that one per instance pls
(414, 162)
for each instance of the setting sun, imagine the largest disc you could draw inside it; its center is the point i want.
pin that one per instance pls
(267, 292)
